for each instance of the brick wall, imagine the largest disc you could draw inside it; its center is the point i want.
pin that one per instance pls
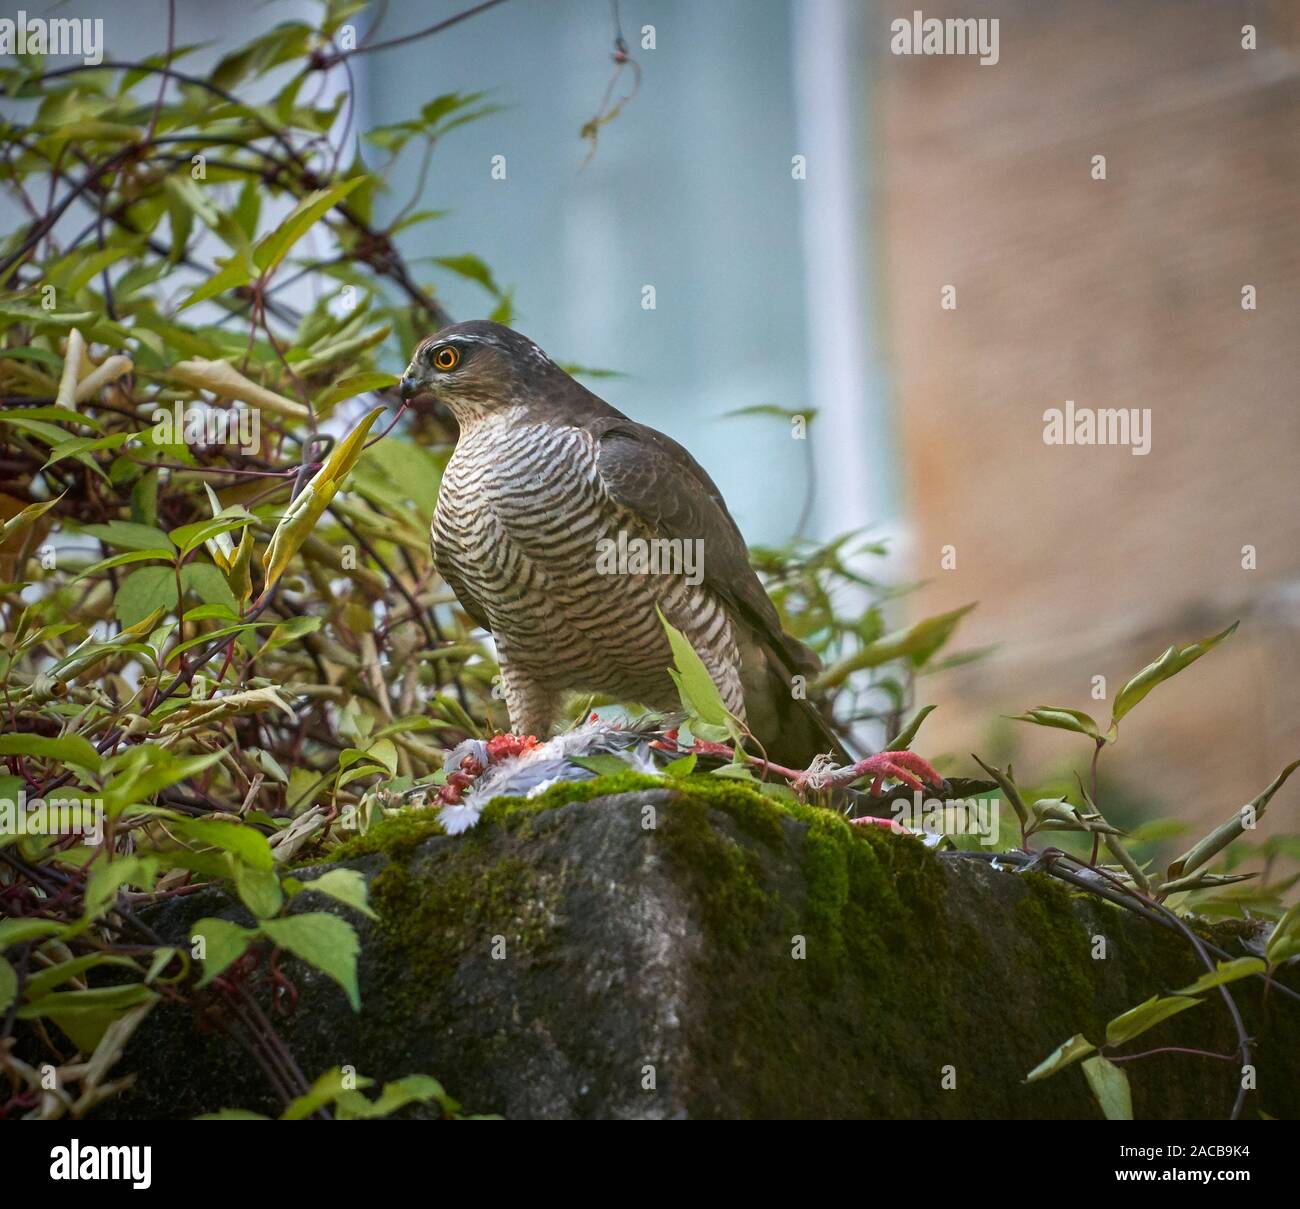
(1117, 293)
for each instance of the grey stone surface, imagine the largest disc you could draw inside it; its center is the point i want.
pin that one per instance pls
(626, 952)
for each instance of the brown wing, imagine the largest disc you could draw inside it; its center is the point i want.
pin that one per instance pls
(651, 475)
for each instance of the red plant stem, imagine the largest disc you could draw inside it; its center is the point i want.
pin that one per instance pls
(1172, 1049)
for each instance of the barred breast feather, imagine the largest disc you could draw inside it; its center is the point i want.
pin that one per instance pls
(521, 512)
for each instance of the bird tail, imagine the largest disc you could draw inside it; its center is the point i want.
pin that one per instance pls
(795, 731)
(802, 735)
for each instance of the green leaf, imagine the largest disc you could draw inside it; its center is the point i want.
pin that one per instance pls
(232, 1114)
(383, 753)
(1110, 1088)
(142, 592)
(419, 216)
(1062, 1056)
(1284, 943)
(231, 273)
(259, 889)
(346, 886)
(1169, 664)
(191, 537)
(211, 612)
(209, 585)
(287, 632)
(144, 770)
(350, 387)
(472, 268)
(42, 356)
(1007, 784)
(8, 985)
(903, 740)
(916, 643)
(324, 941)
(80, 445)
(195, 200)
(397, 473)
(28, 516)
(213, 636)
(603, 764)
(223, 942)
(1146, 1015)
(780, 413)
(1211, 845)
(126, 535)
(1061, 718)
(55, 976)
(161, 958)
(49, 433)
(413, 1089)
(122, 560)
(249, 207)
(149, 588)
(107, 879)
(68, 749)
(274, 247)
(241, 841)
(699, 695)
(1226, 971)
(85, 1016)
(323, 1092)
(298, 522)
(19, 931)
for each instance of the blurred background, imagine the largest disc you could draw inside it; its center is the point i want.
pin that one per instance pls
(800, 200)
(825, 293)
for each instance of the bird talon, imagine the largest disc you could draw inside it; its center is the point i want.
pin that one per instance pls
(905, 766)
(868, 820)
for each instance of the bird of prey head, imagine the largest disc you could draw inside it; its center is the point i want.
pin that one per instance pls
(477, 366)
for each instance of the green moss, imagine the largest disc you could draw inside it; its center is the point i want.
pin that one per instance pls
(506, 810)
(824, 943)
(760, 872)
(822, 946)
(1060, 945)
(729, 873)
(456, 894)
(396, 837)
(433, 914)
(747, 805)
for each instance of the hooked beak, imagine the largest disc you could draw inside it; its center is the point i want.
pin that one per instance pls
(409, 387)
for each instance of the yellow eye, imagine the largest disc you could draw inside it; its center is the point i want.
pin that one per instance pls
(446, 358)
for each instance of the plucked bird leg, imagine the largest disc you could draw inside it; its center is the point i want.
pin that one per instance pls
(533, 707)
(905, 766)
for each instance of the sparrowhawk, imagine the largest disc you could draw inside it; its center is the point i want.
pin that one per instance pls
(544, 474)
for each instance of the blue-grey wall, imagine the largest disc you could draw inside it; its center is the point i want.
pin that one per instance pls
(689, 191)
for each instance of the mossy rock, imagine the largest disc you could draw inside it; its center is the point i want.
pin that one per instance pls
(628, 950)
